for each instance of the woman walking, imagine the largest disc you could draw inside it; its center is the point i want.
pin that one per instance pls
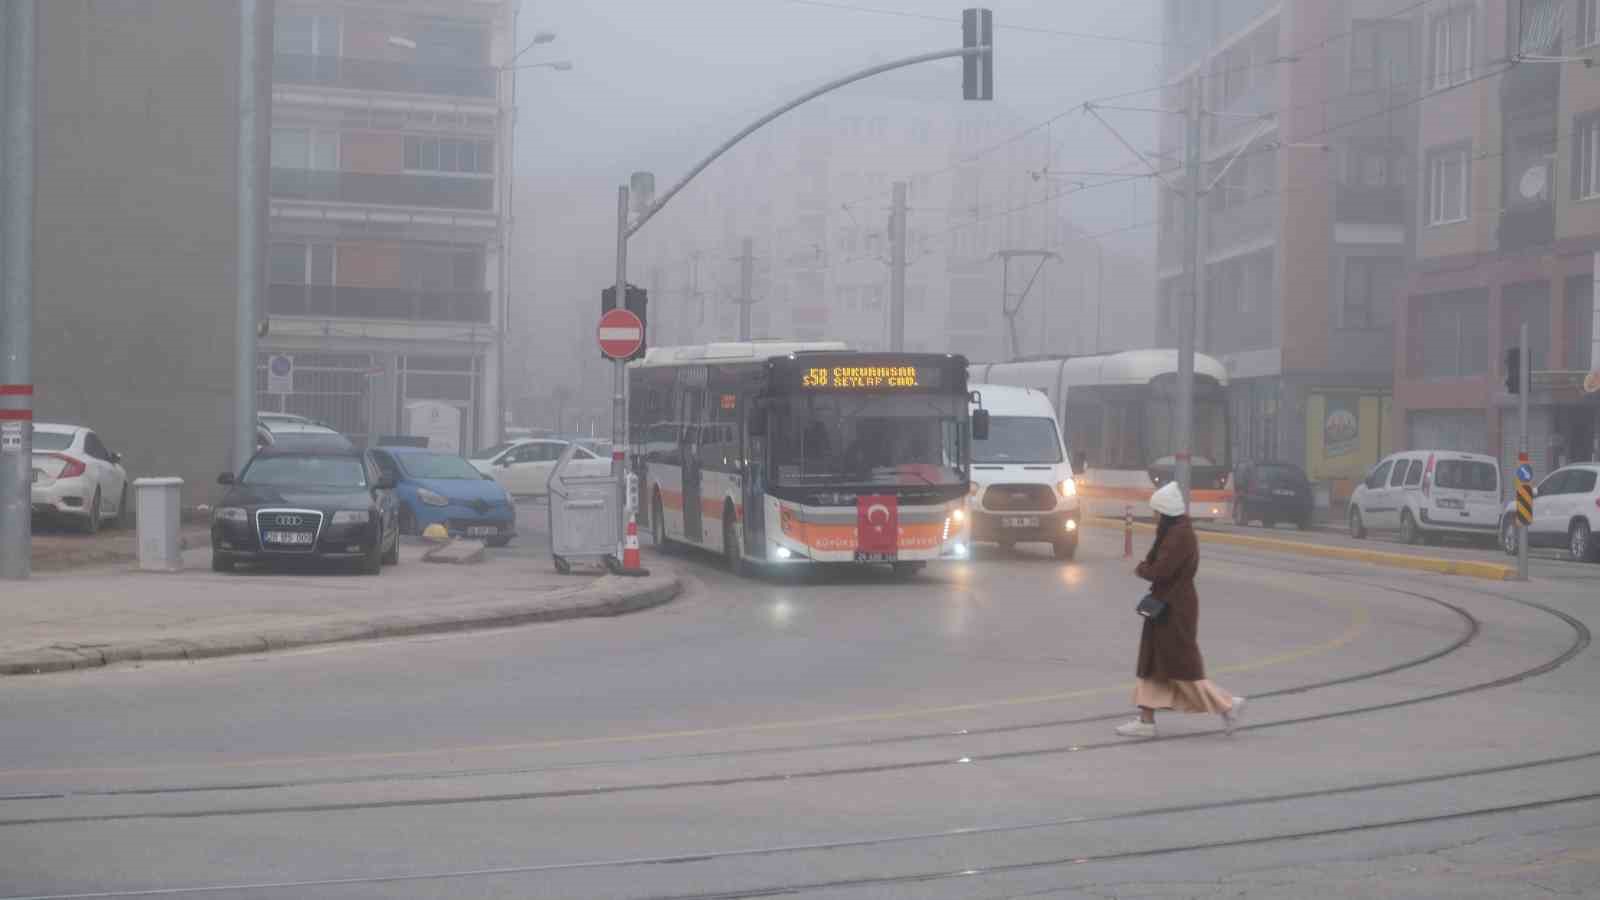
(1172, 674)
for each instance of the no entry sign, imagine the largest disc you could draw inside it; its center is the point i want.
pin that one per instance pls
(621, 334)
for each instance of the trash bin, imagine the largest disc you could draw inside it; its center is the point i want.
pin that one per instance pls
(159, 514)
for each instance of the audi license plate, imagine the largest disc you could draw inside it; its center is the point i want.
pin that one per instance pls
(1282, 492)
(862, 556)
(289, 538)
(1020, 522)
(483, 530)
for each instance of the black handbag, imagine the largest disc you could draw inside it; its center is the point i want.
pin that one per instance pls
(1151, 607)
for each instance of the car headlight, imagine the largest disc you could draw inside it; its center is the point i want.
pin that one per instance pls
(232, 514)
(1068, 488)
(352, 517)
(431, 498)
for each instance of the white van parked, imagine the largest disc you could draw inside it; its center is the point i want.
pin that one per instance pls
(1022, 486)
(1426, 494)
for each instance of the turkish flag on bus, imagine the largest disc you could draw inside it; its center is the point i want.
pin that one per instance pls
(878, 524)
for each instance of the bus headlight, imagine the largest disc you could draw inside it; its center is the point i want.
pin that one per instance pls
(1068, 488)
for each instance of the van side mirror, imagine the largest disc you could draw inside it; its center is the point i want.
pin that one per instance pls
(758, 421)
(980, 425)
(225, 478)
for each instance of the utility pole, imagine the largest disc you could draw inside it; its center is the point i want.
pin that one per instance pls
(16, 327)
(1183, 419)
(619, 372)
(897, 269)
(248, 254)
(747, 265)
(1526, 385)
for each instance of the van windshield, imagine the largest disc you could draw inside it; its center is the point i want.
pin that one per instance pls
(1466, 475)
(1019, 439)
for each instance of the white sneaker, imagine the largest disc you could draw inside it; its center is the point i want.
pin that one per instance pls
(1230, 719)
(1137, 729)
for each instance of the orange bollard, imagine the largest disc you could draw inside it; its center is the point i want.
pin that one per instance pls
(1127, 532)
(630, 545)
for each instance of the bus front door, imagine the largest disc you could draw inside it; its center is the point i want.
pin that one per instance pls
(754, 494)
(693, 528)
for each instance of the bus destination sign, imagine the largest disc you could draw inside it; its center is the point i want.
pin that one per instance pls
(870, 378)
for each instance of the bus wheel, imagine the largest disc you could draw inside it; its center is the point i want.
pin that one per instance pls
(732, 549)
(906, 571)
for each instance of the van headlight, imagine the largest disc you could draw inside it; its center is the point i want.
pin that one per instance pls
(1068, 488)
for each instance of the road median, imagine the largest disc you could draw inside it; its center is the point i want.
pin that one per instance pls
(1464, 567)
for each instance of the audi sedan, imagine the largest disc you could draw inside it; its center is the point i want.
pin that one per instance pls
(309, 504)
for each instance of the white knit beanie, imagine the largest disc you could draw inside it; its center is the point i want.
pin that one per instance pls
(1168, 501)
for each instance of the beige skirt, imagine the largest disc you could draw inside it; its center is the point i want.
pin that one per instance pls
(1182, 696)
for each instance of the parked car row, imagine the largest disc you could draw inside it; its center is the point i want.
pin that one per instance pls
(1566, 514)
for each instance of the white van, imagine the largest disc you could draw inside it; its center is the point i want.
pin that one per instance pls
(1022, 486)
(1426, 494)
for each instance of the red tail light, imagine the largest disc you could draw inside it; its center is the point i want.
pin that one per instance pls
(1427, 478)
(71, 468)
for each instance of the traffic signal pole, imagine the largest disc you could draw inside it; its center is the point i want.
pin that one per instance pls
(1526, 365)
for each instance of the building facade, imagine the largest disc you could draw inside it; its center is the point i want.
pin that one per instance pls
(390, 131)
(1508, 206)
(1308, 124)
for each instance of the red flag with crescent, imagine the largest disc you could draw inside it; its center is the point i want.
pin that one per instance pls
(878, 524)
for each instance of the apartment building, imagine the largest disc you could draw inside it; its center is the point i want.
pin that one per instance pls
(1305, 232)
(1508, 207)
(390, 128)
(813, 193)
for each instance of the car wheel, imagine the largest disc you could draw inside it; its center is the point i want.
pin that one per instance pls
(91, 522)
(372, 564)
(1580, 542)
(732, 547)
(1269, 524)
(221, 562)
(1303, 524)
(122, 518)
(498, 542)
(1508, 535)
(1066, 548)
(1358, 528)
(391, 556)
(1409, 532)
(905, 571)
(408, 520)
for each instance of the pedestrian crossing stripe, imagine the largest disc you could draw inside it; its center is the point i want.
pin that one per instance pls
(1525, 503)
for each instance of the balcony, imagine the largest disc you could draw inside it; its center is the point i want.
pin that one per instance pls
(325, 301)
(1529, 226)
(1253, 220)
(393, 190)
(382, 75)
(1370, 205)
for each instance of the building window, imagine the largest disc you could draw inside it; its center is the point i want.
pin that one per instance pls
(1369, 292)
(1586, 157)
(306, 35)
(1451, 45)
(1452, 334)
(449, 156)
(1588, 23)
(295, 263)
(451, 44)
(1448, 192)
(305, 148)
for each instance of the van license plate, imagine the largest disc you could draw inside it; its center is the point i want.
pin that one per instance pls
(1020, 522)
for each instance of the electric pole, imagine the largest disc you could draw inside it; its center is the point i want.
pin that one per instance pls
(747, 264)
(897, 269)
(1183, 419)
(16, 302)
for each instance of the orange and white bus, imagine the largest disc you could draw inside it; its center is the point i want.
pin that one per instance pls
(1117, 413)
(773, 453)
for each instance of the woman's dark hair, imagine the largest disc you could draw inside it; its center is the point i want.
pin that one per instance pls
(1162, 527)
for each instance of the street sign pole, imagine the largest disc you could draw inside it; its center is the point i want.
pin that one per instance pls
(619, 409)
(1522, 448)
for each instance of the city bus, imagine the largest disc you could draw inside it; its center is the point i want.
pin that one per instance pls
(771, 453)
(1117, 413)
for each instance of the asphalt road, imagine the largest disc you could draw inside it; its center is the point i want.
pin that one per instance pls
(845, 736)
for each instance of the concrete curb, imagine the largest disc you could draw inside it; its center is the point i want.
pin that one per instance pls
(1467, 568)
(608, 597)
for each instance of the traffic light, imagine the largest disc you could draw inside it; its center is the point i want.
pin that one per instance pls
(637, 300)
(1514, 370)
(977, 70)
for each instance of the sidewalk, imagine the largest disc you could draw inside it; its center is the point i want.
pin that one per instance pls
(86, 618)
(56, 549)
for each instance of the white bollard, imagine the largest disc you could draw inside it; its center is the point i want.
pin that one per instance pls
(159, 514)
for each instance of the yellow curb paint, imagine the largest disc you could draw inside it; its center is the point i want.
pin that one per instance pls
(1468, 568)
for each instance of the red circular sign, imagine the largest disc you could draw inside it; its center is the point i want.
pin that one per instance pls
(621, 334)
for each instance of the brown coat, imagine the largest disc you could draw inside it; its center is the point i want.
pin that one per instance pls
(1169, 648)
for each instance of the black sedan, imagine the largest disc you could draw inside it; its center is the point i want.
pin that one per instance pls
(1272, 492)
(300, 504)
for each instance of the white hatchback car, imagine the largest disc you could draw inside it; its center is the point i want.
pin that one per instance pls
(524, 467)
(1426, 494)
(1566, 513)
(75, 476)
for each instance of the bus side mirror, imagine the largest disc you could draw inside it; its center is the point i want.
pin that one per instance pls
(980, 425)
(758, 421)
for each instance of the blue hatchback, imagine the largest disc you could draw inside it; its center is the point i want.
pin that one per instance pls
(443, 489)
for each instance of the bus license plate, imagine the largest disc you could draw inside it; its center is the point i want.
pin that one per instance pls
(862, 556)
(1020, 522)
(288, 537)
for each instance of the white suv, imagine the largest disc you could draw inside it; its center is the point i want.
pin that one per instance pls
(1566, 513)
(1426, 494)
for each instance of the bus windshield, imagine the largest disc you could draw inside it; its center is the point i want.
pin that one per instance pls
(868, 439)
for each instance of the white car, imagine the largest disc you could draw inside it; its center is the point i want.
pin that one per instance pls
(1426, 494)
(524, 467)
(75, 476)
(1566, 513)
